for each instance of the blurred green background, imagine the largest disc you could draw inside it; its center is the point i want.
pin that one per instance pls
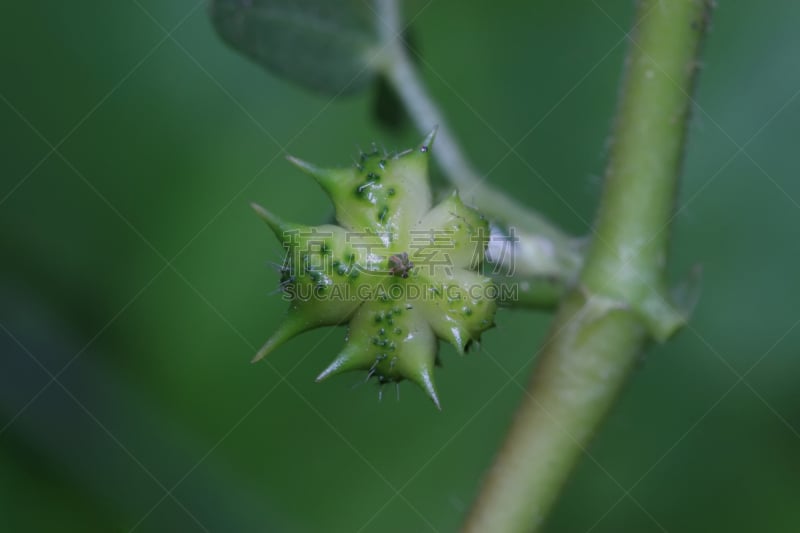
(134, 271)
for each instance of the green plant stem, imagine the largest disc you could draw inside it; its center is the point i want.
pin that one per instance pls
(402, 74)
(537, 292)
(604, 323)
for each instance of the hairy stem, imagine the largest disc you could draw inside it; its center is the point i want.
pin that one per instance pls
(619, 304)
(402, 74)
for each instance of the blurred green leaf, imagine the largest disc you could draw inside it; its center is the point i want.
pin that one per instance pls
(327, 46)
(387, 109)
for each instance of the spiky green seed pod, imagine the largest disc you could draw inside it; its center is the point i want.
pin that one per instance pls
(402, 272)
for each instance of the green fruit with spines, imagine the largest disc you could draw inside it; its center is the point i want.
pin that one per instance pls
(399, 270)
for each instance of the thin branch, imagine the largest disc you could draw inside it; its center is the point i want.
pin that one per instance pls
(562, 258)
